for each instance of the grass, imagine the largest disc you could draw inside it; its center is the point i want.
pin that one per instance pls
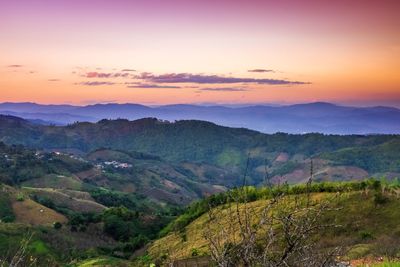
(229, 157)
(358, 215)
(55, 181)
(67, 199)
(31, 212)
(38, 247)
(6, 211)
(11, 236)
(387, 264)
(103, 261)
(370, 262)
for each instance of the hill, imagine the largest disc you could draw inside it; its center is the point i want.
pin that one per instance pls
(117, 183)
(301, 118)
(364, 228)
(286, 157)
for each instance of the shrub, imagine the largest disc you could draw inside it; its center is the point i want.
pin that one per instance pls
(380, 198)
(365, 235)
(6, 211)
(57, 225)
(387, 246)
(20, 197)
(194, 252)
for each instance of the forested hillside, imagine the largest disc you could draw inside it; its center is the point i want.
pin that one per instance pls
(286, 157)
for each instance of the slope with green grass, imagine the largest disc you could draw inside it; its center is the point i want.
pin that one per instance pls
(366, 220)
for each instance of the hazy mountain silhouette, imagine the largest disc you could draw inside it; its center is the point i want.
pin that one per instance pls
(301, 118)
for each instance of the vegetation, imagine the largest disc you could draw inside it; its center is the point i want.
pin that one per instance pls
(201, 207)
(19, 164)
(204, 142)
(354, 221)
(6, 211)
(82, 210)
(373, 159)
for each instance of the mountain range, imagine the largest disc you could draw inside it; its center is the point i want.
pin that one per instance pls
(285, 157)
(301, 118)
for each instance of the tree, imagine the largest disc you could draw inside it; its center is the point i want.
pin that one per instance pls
(57, 225)
(281, 232)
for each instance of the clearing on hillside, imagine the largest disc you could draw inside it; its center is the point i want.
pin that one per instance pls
(31, 212)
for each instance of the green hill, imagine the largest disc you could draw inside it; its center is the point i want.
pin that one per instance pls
(115, 185)
(287, 156)
(365, 223)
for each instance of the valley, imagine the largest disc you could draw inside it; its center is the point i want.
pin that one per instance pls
(119, 190)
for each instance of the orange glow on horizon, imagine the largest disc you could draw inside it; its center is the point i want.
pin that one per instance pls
(347, 53)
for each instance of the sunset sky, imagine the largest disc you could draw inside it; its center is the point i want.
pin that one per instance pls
(210, 51)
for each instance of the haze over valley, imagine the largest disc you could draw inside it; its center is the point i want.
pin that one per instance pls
(317, 117)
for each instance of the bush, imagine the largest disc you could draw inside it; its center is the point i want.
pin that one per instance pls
(6, 211)
(194, 252)
(380, 198)
(57, 225)
(20, 197)
(365, 235)
(387, 246)
(8, 219)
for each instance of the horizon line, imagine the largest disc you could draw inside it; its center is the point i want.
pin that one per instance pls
(205, 104)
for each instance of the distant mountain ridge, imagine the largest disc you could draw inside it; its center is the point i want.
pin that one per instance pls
(318, 117)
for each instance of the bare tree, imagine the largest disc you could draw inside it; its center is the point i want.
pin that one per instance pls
(20, 257)
(281, 231)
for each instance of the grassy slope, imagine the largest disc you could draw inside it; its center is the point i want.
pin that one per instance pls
(374, 159)
(55, 181)
(31, 212)
(63, 199)
(358, 216)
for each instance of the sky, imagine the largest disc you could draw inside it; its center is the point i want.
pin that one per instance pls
(211, 51)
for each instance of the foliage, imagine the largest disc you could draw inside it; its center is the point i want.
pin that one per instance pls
(19, 164)
(114, 199)
(6, 211)
(57, 225)
(197, 209)
(20, 197)
(378, 158)
(199, 141)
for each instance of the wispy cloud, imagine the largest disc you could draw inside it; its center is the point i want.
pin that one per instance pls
(95, 74)
(210, 79)
(15, 66)
(177, 80)
(142, 85)
(95, 83)
(260, 70)
(224, 89)
(53, 80)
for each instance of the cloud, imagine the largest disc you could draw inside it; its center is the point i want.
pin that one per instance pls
(128, 70)
(15, 66)
(141, 85)
(95, 83)
(53, 80)
(95, 74)
(260, 70)
(118, 74)
(224, 89)
(209, 79)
